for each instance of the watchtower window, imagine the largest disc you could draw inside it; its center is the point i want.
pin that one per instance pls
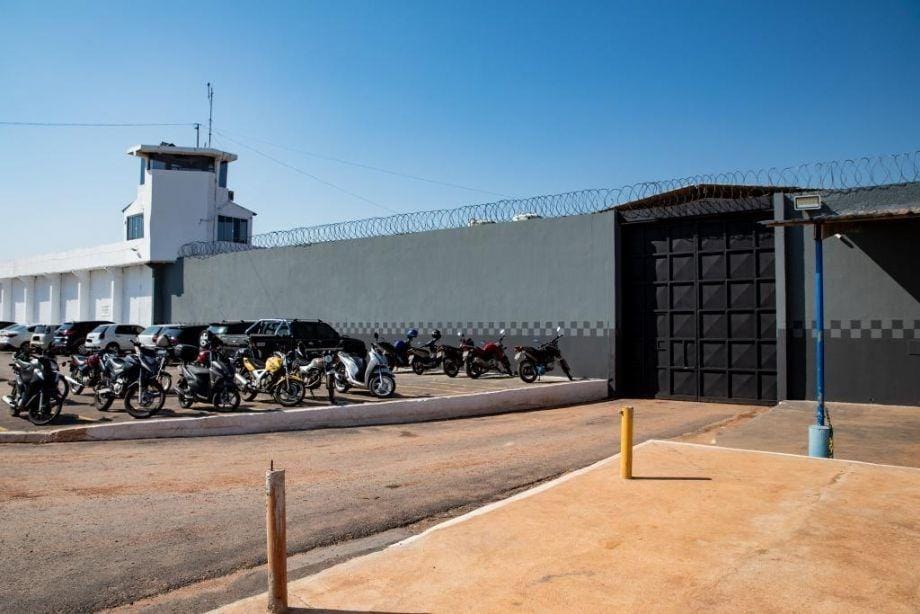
(135, 226)
(172, 162)
(232, 229)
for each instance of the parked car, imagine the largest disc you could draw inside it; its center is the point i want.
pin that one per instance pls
(6, 325)
(17, 336)
(43, 335)
(312, 336)
(70, 336)
(149, 337)
(180, 334)
(233, 335)
(113, 337)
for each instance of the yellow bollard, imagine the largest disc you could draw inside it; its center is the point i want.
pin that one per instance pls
(626, 442)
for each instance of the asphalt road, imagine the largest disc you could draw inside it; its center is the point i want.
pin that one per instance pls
(92, 525)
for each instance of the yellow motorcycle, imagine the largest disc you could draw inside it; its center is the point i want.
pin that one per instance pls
(275, 378)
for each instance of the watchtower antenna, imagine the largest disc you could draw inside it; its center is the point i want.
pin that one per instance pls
(210, 111)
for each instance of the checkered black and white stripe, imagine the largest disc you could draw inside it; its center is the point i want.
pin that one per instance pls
(570, 328)
(863, 329)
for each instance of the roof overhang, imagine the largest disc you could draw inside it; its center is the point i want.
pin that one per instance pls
(146, 150)
(850, 218)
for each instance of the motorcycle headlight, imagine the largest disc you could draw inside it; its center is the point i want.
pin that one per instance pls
(327, 358)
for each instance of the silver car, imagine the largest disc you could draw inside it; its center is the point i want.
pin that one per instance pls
(18, 336)
(42, 336)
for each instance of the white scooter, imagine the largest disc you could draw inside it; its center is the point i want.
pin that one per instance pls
(372, 373)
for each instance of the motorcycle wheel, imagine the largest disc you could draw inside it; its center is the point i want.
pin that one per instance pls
(473, 370)
(226, 400)
(165, 381)
(506, 365)
(14, 411)
(143, 405)
(527, 371)
(451, 368)
(330, 388)
(341, 384)
(101, 401)
(418, 368)
(186, 400)
(383, 385)
(289, 392)
(77, 388)
(250, 394)
(63, 387)
(39, 415)
(565, 369)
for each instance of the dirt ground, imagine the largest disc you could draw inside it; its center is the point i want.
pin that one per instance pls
(79, 409)
(699, 529)
(107, 523)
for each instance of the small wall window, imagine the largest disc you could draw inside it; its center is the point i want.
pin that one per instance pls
(232, 229)
(135, 224)
(143, 170)
(222, 175)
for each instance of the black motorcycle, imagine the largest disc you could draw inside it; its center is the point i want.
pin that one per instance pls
(451, 358)
(133, 378)
(35, 388)
(210, 378)
(534, 362)
(426, 357)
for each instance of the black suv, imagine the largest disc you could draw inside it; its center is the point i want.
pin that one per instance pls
(314, 336)
(70, 336)
(232, 334)
(180, 334)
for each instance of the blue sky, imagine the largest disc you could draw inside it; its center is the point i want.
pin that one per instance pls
(511, 98)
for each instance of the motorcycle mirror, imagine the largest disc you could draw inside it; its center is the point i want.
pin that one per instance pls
(559, 329)
(376, 336)
(501, 332)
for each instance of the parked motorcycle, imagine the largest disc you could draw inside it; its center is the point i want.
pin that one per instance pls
(134, 379)
(426, 357)
(490, 357)
(84, 371)
(35, 388)
(397, 354)
(534, 362)
(276, 377)
(318, 370)
(208, 379)
(451, 357)
(371, 373)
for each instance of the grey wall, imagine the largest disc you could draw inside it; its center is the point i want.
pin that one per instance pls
(527, 277)
(872, 312)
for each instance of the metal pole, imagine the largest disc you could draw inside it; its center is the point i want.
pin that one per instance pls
(626, 442)
(819, 435)
(819, 324)
(197, 135)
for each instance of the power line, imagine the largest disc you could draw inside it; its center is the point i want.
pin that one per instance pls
(90, 124)
(375, 168)
(305, 173)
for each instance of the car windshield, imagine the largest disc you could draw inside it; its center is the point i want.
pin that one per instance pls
(151, 330)
(99, 329)
(218, 330)
(64, 326)
(15, 328)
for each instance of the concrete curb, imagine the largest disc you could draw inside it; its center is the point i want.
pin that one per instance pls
(401, 411)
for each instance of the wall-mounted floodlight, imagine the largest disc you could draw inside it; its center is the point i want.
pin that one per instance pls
(807, 202)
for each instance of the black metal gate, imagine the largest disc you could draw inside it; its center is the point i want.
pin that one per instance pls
(700, 309)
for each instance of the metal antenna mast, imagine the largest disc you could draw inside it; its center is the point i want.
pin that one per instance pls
(210, 111)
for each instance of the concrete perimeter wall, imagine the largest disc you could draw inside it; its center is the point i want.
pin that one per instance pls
(526, 277)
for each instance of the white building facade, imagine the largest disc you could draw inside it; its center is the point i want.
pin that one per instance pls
(182, 197)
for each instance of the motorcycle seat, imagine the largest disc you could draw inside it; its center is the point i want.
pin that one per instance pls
(79, 359)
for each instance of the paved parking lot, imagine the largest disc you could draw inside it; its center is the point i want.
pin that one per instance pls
(79, 409)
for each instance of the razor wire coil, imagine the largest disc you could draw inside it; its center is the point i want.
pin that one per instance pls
(864, 172)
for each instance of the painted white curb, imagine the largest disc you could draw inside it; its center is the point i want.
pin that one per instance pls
(337, 416)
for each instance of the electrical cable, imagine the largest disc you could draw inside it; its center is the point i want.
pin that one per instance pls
(305, 173)
(373, 168)
(91, 124)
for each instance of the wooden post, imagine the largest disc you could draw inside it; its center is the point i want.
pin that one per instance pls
(626, 442)
(276, 536)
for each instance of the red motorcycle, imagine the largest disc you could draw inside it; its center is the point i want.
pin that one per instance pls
(490, 357)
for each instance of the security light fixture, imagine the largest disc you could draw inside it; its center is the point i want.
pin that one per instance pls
(807, 202)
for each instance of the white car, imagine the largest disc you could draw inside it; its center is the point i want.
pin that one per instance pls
(113, 337)
(43, 335)
(17, 336)
(150, 337)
